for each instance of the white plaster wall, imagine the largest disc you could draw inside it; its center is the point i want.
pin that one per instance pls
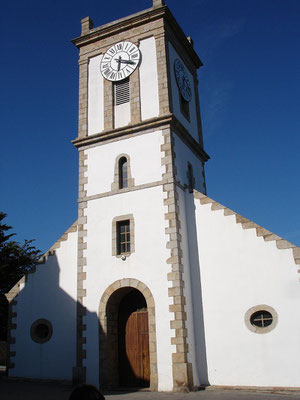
(147, 264)
(149, 79)
(122, 115)
(95, 97)
(145, 160)
(49, 293)
(187, 286)
(183, 156)
(191, 126)
(238, 271)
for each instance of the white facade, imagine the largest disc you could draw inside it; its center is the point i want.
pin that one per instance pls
(143, 265)
(49, 293)
(142, 150)
(231, 270)
(95, 97)
(202, 270)
(240, 270)
(149, 80)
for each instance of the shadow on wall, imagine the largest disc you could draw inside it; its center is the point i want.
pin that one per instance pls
(44, 337)
(3, 353)
(199, 331)
(3, 319)
(124, 349)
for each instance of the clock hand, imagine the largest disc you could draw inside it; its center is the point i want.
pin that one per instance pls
(120, 60)
(127, 62)
(119, 63)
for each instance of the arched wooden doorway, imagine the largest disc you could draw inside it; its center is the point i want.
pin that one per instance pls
(133, 341)
(127, 339)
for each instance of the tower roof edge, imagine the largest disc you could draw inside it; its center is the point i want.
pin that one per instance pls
(90, 34)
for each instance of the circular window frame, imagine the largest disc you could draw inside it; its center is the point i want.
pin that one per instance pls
(34, 335)
(259, 329)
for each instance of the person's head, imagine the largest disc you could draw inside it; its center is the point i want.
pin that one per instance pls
(86, 392)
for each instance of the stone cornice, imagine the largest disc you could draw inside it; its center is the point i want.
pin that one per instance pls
(134, 20)
(166, 120)
(143, 186)
(128, 129)
(184, 134)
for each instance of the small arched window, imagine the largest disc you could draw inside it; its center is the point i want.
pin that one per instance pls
(191, 178)
(123, 173)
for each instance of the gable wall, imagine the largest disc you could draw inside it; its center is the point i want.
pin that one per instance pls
(238, 271)
(49, 293)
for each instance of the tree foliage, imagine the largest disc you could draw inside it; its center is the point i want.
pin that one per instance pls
(15, 261)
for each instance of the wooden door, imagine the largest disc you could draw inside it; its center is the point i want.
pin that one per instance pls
(137, 349)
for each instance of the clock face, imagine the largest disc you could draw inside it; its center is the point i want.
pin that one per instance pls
(120, 61)
(182, 80)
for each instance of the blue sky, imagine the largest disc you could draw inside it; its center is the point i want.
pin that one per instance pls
(249, 94)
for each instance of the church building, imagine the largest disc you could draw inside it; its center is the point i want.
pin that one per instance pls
(155, 285)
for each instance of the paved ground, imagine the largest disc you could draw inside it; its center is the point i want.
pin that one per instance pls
(22, 389)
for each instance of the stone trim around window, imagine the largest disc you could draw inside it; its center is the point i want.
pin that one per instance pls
(34, 331)
(190, 178)
(257, 329)
(116, 183)
(127, 217)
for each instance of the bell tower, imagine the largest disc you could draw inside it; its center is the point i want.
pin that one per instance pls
(140, 154)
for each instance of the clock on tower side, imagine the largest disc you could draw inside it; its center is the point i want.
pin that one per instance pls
(159, 94)
(160, 90)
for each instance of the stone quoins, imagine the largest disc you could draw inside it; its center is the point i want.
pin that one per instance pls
(86, 25)
(108, 105)
(161, 52)
(134, 283)
(135, 103)
(281, 244)
(79, 371)
(182, 379)
(158, 3)
(83, 98)
(12, 313)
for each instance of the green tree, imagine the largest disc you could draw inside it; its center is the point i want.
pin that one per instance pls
(15, 261)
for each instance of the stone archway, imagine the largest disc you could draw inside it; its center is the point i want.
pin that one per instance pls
(108, 335)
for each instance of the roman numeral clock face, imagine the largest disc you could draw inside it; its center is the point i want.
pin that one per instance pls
(120, 61)
(182, 80)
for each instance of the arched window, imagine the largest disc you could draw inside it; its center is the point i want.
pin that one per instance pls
(191, 178)
(123, 173)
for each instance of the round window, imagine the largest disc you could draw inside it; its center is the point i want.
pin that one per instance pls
(261, 319)
(41, 331)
